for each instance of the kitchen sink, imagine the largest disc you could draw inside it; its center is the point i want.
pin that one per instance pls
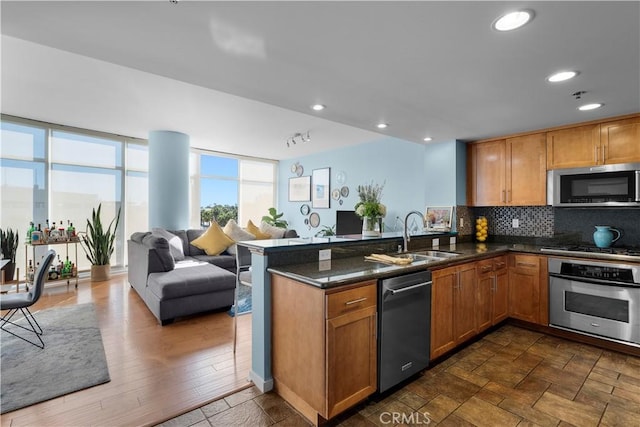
(436, 254)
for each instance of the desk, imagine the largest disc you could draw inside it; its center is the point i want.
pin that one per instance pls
(28, 245)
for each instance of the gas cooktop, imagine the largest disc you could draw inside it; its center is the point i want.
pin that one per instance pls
(631, 254)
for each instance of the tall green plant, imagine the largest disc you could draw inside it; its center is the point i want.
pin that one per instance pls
(97, 242)
(9, 244)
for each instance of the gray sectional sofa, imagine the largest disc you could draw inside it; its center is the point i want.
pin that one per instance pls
(175, 279)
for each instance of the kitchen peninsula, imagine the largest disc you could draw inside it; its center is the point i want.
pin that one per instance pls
(308, 314)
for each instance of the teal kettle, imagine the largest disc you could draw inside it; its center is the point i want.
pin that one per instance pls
(603, 236)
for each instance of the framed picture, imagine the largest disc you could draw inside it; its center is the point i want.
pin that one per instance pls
(300, 189)
(438, 218)
(320, 193)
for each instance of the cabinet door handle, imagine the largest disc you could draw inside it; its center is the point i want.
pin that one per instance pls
(499, 265)
(485, 268)
(595, 154)
(504, 196)
(604, 154)
(355, 301)
(508, 196)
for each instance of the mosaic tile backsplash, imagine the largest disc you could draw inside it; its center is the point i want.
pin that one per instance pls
(564, 224)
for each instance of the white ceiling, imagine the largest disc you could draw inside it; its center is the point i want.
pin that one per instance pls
(426, 68)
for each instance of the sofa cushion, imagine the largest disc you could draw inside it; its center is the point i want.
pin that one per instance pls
(193, 234)
(228, 262)
(139, 235)
(213, 241)
(187, 280)
(175, 243)
(237, 233)
(289, 234)
(182, 234)
(161, 247)
(273, 231)
(253, 229)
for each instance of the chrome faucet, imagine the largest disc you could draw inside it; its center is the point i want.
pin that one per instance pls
(405, 234)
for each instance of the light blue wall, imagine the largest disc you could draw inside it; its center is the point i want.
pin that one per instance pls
(415, 175)
(397, 163)
(168, 180)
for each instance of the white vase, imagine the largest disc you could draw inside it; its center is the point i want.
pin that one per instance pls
(371, 226)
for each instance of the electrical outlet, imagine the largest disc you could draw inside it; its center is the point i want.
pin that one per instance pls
(435, 243)
(461, 222)
(515, 223)
(324, 254)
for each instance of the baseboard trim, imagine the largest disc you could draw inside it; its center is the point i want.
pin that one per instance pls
(262, 384)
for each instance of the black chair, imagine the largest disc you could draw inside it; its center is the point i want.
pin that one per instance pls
(243, 276)
(20, 302)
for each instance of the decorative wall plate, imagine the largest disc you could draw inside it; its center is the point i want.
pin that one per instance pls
(341, 177)
(294, 167)
(335, 194)
(344, 191)
(305, 209)
(314, 219)
(299, 170)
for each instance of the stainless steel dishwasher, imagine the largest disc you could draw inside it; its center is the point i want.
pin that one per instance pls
(404, 324)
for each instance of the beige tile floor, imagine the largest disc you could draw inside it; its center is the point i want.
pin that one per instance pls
(511, 377)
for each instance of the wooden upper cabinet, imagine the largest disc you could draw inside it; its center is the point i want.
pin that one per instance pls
(526, 170)
(487, 173)
(620, 141)
(573, 147)
(508, 172)
(595, 144)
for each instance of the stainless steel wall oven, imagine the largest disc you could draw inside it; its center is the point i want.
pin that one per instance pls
(596, 298)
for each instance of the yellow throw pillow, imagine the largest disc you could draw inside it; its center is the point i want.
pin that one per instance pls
(213, 241)
(251, 228)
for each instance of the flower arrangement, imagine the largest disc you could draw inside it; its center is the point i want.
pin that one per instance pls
(369, 205)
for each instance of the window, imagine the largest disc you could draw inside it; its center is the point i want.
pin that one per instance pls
(55, 174)
(233, 188)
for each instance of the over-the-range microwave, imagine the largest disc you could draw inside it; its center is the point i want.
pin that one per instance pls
(606, 185)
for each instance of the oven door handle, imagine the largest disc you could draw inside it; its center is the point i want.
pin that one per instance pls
(595, 281)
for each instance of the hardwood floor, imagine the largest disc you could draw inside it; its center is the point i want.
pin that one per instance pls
(510, 377)
(157, 372)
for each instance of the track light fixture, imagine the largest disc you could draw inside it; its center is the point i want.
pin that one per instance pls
(298, 138)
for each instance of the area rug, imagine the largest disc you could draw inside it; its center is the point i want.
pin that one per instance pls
(73, 358)
(244, 301)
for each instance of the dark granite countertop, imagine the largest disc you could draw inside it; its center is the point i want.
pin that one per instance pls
(337, 272)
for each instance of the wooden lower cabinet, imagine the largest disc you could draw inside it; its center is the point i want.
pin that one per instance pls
(453, 303)
(492, 302)
(528, 288)
(324, 345)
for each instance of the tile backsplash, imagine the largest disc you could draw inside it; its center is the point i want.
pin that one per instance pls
(565, 224)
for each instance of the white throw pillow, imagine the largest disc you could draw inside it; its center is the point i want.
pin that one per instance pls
(175, 243)
(275, 232)
(237, 234)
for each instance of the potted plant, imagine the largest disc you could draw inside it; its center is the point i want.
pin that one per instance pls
(9, 244)
(327, 231)
(274, 219)
(98, 244)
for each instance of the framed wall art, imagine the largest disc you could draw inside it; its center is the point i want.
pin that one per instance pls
(320, 192)
(439, 218)
(300, 189)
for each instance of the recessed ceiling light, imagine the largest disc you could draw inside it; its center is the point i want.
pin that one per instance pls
(513, 20)
(588, 107)
(317, 107)
(427, 139)
(562, 76)
(382, 125)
